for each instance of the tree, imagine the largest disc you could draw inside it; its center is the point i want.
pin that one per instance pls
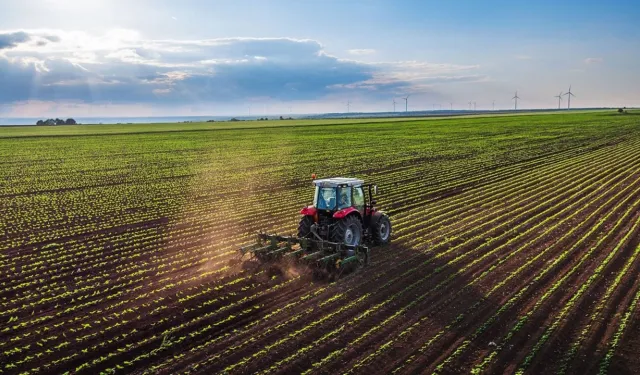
(620, 110)
(40, 122)
(59, 121)
(281, 118)
(70, 121)
(50, 122)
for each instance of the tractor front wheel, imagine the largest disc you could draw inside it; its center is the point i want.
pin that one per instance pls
(348, 231)
(381, 231)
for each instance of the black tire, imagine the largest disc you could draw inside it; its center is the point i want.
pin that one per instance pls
(347, 230)
(304, 228)
(381, 231)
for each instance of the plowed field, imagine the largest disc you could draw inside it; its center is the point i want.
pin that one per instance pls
(515, 249)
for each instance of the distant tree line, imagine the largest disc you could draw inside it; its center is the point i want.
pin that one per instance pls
(281, 118)
(57, 121)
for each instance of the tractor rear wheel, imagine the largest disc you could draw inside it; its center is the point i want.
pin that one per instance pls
(347, 231)
(304, 228)
(381, 231)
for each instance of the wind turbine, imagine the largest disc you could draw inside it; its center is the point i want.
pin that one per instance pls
(494, 105)
(559, 96)
(348, 104)
(474, 106)
(516, 97)
(570, 94)
(394, 104)
(469, 105)
(451, 104)
(406, 103)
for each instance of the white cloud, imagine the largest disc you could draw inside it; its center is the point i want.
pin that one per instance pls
(127, 56)
(364, 51)
(120, 67)
(416, 70)
(19, 38)
(59, 41)
(593, 60)
(83, 57)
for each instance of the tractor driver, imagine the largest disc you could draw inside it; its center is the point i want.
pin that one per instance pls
(344, 198)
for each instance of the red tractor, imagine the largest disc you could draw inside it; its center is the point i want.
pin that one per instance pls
(343, 211)
(334, 232)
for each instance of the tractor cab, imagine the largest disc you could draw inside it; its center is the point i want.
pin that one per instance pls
(335, 194)
(343, 211)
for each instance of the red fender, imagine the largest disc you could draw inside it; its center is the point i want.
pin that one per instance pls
(342, 213)
(309, 211)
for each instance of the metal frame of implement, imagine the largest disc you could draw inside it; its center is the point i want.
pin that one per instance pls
(270, 247)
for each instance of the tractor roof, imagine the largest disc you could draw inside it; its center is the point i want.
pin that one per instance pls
(338, 181)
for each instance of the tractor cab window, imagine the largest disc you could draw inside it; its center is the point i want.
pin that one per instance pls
(358, 198)
(344, 199)
(325, 198)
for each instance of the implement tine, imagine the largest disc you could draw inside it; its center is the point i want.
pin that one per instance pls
(313, 256)
(325, 260)
(280, 250)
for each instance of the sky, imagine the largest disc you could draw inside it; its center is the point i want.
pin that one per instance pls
(120, 58)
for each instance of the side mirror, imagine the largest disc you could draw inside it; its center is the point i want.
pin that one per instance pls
(375, 189)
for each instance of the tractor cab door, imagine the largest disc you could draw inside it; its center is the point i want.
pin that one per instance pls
(358, 199)
(344, 197)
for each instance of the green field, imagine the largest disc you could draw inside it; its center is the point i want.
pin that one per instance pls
(115, 243)
(94, 129)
